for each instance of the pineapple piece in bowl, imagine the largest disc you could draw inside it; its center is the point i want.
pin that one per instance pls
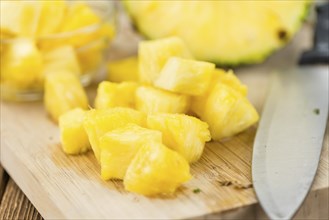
(111, 95)
(185, 134)
(153, 55)
(63, 92)
(185, 76)
(153, 100)
(155, 170)
(73, 136)
(123, 70)
(119, 146)
(100, 121)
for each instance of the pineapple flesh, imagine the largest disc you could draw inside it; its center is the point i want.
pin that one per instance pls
(227, 112)
(153, 100)
(118, 148)
(100, 121)
(219, 76)
(63, 92)
(111, 95)
(225, 32)
(155, 170)
(123, 70)
(185, 134)
(153, 55)
(21, 64)
(61, 58)
(73, 136)
(185, 76)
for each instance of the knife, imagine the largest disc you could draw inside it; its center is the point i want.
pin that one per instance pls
(290, 135)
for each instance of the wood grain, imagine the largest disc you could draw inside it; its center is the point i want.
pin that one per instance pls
(15, 205)
(3, 181)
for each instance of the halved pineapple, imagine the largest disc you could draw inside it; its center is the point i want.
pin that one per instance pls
(185, 76)
(118, 148)
(185, 134)
(123, 70)
(226, 32)
(63, 92)
(99, 122)
(153, 55)
(61, 58)
(153, 100)
(227, 112)
(219, 76)
(111, 95)
(156, 169)
(21, 64)
(73, 136)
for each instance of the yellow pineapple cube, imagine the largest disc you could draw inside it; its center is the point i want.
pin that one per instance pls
(153, 100)
(61, 58)
(51, 16)
(156, 169)
(154, 54)
(123, 70)
(63, 92)
(185, 134)
(21, 64)
(73, 136)
(118, 148)
(100, 121)
(111, 95)
(20, 17)
(185, 76)
(219, 76)
(227, 112)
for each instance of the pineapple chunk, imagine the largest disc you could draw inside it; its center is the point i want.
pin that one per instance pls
(153, 100)
(156, 169)
(123, 70)
(51, 16)
(185, 76)
(99, 122)
(115, 95)
(227, 112)
(21, 64)
(73, 136)
(63, 92)
(219, 76)
(118, 148)
(62, 58)
(20, 17)
(185, 134)
(153, 55)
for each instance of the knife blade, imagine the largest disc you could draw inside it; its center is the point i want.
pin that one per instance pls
(290, 135)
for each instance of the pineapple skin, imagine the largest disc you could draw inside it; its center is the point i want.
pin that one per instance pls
(118, 148)
(98, 122)
(152, 100)
(63, 92)
(227, 112)
(242, 43)
(123, 70)
(153, 55)
(73, 136)
(111, 95)
(185, 134)
(185, 76)
(155, 170)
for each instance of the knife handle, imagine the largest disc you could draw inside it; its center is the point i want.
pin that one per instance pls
(320, 51)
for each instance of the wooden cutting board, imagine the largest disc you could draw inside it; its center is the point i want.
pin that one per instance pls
(62, 186)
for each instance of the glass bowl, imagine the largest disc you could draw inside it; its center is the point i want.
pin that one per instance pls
(26, 59)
